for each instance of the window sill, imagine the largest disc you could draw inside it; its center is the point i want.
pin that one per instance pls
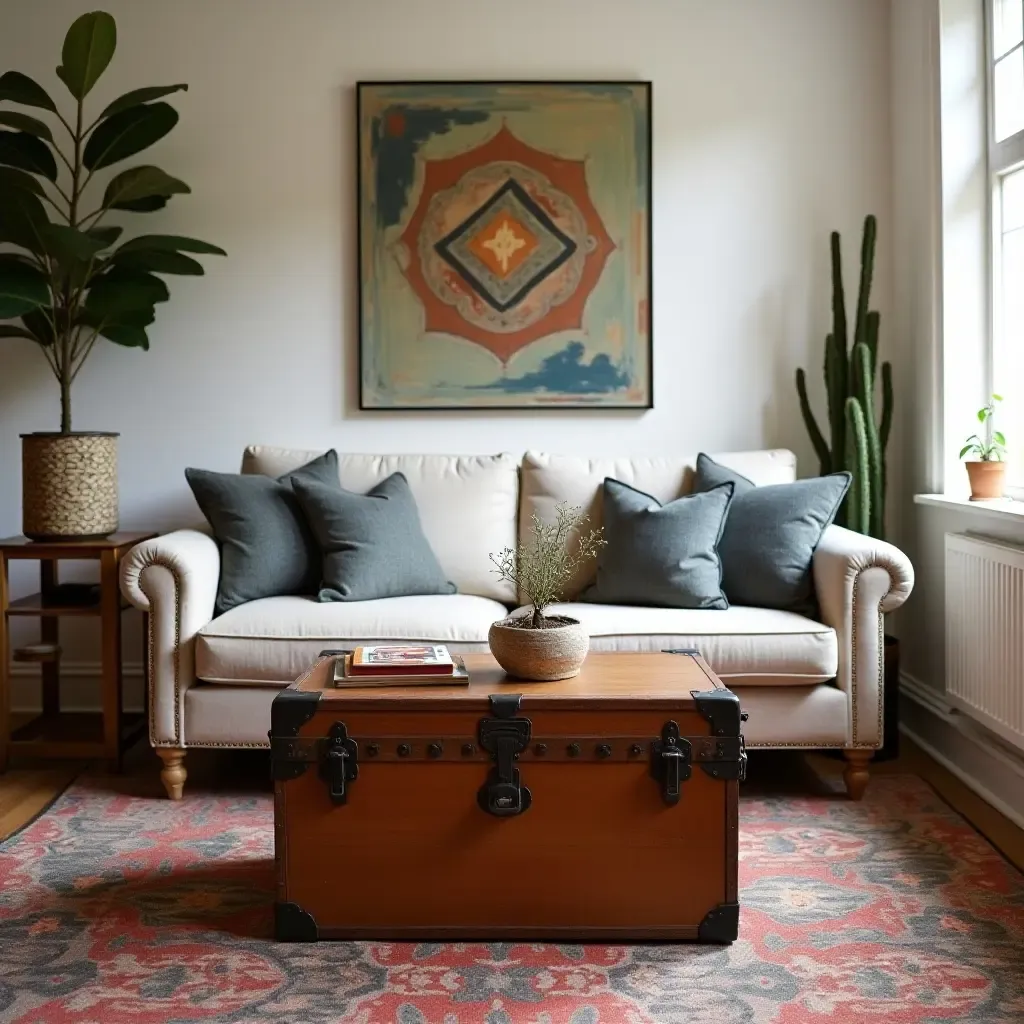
(1005, 509)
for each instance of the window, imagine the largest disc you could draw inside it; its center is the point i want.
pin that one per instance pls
(1006, 170)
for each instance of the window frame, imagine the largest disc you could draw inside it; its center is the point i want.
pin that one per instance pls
(1002, 158)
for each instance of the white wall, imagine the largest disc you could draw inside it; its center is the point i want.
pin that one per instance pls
(771, 127)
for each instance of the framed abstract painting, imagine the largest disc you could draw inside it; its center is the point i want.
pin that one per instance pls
(504, 245)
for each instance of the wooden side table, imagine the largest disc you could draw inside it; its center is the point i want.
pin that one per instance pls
(56, 733)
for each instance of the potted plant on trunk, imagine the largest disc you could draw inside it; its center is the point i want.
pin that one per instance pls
(65, 282)
(986, 470)
(532, 645)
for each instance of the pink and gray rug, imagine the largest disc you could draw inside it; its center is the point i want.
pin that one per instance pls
(119, 909)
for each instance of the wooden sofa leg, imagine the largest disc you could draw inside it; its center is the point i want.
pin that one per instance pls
(173, 774)
(856, 774)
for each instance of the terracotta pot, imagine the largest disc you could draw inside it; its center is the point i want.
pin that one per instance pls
(986, 479)
(539, 655)
(69, 486)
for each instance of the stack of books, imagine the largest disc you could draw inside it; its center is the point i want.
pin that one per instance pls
(400, 665)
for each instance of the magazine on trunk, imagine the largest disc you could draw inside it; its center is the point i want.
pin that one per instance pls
(402, 659)
(455, 674)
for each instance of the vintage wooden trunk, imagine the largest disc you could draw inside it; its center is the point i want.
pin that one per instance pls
(600, 807)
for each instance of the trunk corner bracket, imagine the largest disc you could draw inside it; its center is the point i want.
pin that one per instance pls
(721, 710)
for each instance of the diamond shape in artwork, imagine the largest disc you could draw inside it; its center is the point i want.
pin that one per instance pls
(508, 246)
(503, 244)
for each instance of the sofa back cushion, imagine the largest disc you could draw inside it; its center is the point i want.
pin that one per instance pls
(467, 503)
(549, 480)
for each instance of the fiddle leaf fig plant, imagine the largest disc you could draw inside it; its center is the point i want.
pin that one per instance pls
(65, 281)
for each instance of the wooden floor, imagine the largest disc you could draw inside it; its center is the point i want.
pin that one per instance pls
(26, 791)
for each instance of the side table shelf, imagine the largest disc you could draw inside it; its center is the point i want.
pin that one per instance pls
(55, 733)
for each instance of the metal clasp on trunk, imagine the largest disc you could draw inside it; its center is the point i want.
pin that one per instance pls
(505, 737)
(340, 763)
(670, 762)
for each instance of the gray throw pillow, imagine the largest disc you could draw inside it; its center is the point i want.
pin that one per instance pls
(771, 535)
(662, 555)
(266, 548)
(373, 544)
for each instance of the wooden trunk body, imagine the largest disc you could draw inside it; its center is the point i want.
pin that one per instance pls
(410, 851)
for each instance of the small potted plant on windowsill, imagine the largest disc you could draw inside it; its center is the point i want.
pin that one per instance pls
(987, 469)
(531, 645)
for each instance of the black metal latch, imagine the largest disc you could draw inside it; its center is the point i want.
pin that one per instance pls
(505, 737)
(340, 765)
(670, 762)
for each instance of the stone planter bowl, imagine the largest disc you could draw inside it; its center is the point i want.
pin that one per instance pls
(539, 655)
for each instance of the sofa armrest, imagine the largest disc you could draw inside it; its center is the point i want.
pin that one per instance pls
(173, 577)
(857, 580)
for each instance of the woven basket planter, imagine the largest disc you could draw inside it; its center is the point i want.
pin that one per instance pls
(69, 486)
(539, 655)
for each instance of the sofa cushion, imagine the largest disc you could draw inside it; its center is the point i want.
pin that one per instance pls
(745, 646)
(372, 544)
(550, 480)
(467, 504)
(661, 555)
(771, 534)
(266, 547)
(272, 641)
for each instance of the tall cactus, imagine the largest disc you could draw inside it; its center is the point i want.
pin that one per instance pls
(857, 440)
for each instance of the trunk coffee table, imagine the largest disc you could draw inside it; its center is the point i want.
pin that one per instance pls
(599, 807)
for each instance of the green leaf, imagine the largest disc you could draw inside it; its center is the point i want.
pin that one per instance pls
(19, 88)
(172, 243)
(22, 220)
(963, 451)
(127, 133)
(22, 288)
(997, 398)
(88, 47)
(982, 415)
(129, 335)
(141, 183)
(119, 291)
(12, 178)
(10, 331)
(26, 152)
(137, 96)
(38, 325)
(69, 245)
(999, 438)
(25, 123)
(147, 205)
(107, 236)
(157, 262)
(124, 328)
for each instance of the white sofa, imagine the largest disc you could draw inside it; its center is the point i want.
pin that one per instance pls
(805, 683)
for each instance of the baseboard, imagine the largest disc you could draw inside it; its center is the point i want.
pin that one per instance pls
(977, 758)
(79, 687)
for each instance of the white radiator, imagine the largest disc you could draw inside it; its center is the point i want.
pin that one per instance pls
(985, 633)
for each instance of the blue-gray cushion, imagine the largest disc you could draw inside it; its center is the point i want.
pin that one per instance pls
(771, 534)
(662, 555)
(373, 545)
(266, 548)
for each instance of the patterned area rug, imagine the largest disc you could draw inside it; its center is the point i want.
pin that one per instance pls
(115, 909)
